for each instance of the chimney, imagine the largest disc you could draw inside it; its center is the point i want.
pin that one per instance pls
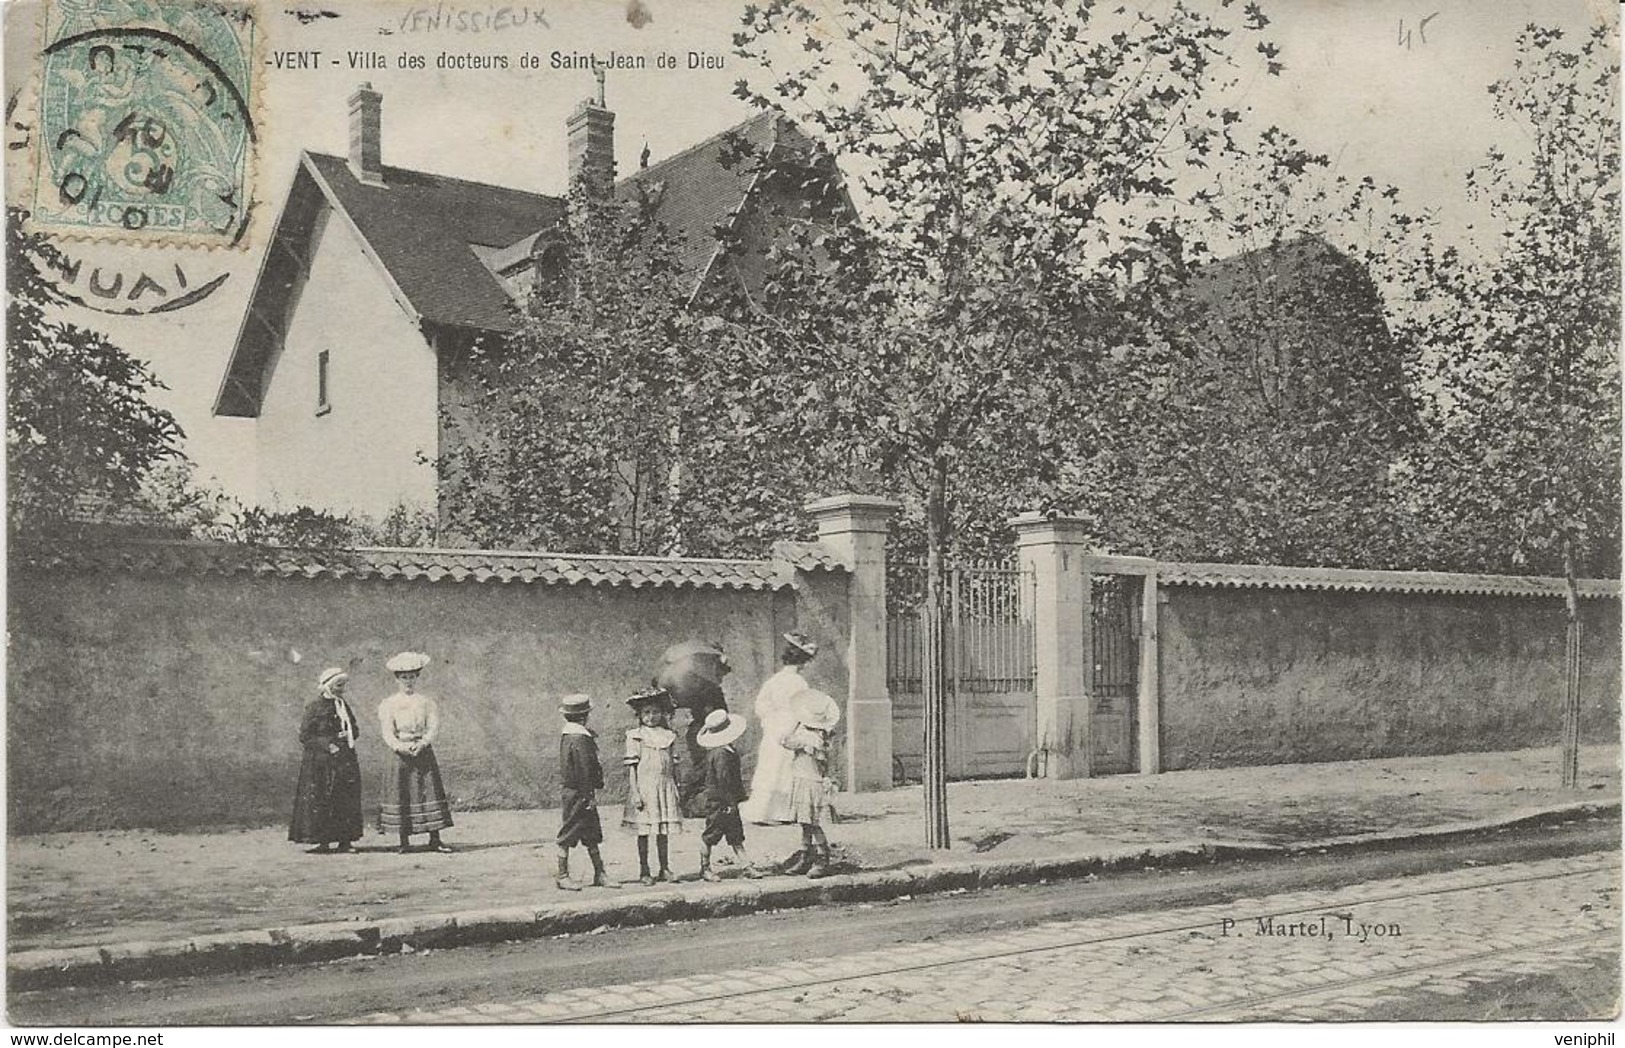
(366, 132)
(591, 130)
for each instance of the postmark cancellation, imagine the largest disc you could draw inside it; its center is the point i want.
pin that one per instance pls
(146, 113)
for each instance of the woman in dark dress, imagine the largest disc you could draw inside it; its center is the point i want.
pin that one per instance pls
(327, 804)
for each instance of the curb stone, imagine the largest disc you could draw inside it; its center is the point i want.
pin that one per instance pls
(326, 942)
(1525, 819)
(224, 951)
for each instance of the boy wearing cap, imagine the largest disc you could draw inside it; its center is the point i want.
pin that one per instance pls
(724, 789)
(580, 775)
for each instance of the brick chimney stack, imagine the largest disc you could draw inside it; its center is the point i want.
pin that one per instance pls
(591, 130)
(366, 134)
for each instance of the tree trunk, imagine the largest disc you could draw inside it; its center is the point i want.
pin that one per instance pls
(934, 675)
(674, 486)
(934, 672)
(1571, 674)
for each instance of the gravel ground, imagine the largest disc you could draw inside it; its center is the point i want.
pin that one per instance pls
(68, 889)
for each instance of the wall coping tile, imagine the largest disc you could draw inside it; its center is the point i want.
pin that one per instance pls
(1272, 576)
(169, 557)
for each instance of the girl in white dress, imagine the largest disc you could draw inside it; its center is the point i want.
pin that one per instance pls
(653, 805)
(815, 716)
(769, 801)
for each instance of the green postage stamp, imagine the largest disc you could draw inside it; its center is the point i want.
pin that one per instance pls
(146, 121)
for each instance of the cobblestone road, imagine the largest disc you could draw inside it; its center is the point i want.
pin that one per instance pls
(1293, 956)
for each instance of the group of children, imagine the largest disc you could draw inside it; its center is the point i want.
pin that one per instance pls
(653, 804)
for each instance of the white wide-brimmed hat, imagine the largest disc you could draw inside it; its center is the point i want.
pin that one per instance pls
(801, 642)
(330, 676)
(721, 728)
(407, 662)
(816, 709)
(575, 704)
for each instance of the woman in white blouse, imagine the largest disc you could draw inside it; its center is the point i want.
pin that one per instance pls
(770, 783)
(414, 799)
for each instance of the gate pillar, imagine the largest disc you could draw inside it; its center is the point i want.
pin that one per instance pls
(855, 527)
(1055, 550)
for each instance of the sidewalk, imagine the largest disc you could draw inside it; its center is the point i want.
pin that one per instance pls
(124, 891)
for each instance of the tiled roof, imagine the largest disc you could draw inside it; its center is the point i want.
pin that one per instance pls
(456, 249)
(422, 228)
(426, 231)
(1275, 577)
(1286, 262)
(809, 556)
(428, 565)
(696, 191)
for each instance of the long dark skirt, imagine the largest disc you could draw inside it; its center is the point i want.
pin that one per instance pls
(414, 798)
(327, 803)
(578, 819)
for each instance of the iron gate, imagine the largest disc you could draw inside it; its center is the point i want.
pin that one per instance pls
(1114, 646)
(988, 636)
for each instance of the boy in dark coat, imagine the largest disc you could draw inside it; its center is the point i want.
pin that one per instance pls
(580, 775)
(724, 789)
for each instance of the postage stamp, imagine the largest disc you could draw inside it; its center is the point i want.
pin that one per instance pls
(146, 122)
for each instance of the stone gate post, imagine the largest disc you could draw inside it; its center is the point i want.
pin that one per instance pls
(855, 527)
(1055, 550)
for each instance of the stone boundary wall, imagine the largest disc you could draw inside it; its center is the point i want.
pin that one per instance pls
(160, 684)
(1245, 664)
(1254, 675)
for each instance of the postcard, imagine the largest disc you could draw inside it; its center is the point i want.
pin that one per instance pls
(844, 511)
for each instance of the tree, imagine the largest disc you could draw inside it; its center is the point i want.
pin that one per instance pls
(78, 420)
(1266, 426)
(1014, 161)
(615, 419)
(200, 508)
(1522, 468)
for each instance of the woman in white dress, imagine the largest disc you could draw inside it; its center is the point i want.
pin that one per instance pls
(414, 799)
(769, 801)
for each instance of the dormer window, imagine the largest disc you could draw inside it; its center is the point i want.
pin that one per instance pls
(323, 404)
(550, 261)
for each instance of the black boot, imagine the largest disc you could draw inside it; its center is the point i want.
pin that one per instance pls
(800, 862)
(600, 879)
(820, 866)
(563, 881)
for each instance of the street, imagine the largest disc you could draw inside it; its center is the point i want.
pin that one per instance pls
(1514, 925)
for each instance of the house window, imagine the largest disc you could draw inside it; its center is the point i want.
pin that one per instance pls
(323, 405)
(551, 260)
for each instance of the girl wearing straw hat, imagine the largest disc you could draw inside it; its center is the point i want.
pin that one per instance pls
(816, 715)
(414, 797)
(653, 806)
(327, 803)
